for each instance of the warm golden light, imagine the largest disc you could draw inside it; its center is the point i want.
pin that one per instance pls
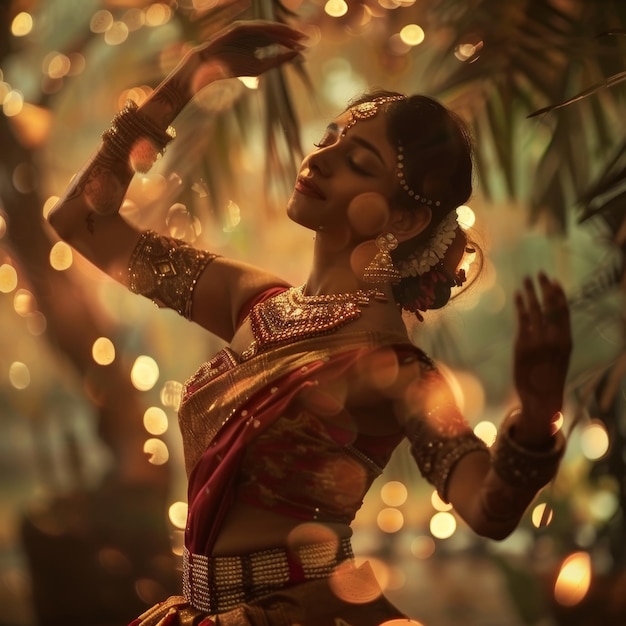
(412, 35)
(48, 205)
(603, 505)
(61, 257)
(336, 8)
(438, 503)
(423, 547)
(251, 82)
(19, 375)
(13, 103)
(56, 65)
(594, 440)
(22, 24)
(177, 514)
(103, 351)
(101, 21)
(402, 622)
(390, 520)
(157, 451)
(3, 227)
(487, 431)
(158, 14)
(8, 278)
(574, 579)
(394, 493)
(542, 515)
(24, 302)
(465, 216)
(144, 373)
(117, 34)
(155, 420)
(36, 323)
(170, 394)
(442, 525)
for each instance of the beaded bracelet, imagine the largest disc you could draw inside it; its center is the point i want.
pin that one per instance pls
(135, 136)
(523, 467)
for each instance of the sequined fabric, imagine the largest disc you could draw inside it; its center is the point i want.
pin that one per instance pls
(349, 597)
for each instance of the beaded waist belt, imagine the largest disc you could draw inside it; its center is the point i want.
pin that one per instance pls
(218, 584)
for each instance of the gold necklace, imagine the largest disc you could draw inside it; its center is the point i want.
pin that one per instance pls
(291, 316)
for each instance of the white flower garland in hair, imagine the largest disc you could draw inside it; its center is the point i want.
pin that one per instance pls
(426, 257)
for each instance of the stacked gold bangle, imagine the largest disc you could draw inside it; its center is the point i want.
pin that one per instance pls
(524, 467)
(136, 137)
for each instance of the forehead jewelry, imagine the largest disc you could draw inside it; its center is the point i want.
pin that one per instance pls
(368, 110)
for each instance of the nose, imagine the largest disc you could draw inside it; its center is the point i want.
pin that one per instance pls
(320, 161)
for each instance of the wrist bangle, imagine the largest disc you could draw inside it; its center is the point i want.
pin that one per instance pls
(136, 137)
(523, 467)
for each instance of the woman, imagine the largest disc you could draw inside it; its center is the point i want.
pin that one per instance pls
(285, 429)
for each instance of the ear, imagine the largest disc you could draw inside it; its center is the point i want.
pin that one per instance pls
(406, 224)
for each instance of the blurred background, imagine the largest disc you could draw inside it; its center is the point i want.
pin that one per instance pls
(92, 488)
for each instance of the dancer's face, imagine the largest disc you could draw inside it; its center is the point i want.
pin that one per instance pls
(344, 165)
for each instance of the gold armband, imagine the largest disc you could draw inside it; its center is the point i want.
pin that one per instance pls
(166, 270)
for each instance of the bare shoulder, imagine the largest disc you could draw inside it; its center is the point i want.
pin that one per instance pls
(223, 288)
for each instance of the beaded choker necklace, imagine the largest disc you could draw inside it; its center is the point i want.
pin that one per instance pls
(291, 316)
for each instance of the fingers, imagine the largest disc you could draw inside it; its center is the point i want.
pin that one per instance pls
(548, 315)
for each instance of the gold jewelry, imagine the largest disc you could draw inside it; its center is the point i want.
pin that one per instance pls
(135, 137)
(382, 269)
(403, 183)
(292, 316)
(369, 109)
(523, 467)
(166, 270)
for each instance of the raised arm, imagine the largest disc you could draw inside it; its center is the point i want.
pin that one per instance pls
(491, 489)
(87, 217)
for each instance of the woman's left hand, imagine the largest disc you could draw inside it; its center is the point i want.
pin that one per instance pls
(542, 352)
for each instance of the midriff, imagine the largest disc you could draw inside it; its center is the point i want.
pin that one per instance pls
(252, 529)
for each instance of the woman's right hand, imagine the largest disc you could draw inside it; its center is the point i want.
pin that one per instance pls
(247, 48)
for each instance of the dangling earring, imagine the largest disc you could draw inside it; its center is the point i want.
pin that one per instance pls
(382, 269)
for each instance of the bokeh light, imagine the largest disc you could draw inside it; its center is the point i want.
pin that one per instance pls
(574, 579)
(438, 503)
(394, 493)
(61, 256)
(177, 514)
(103, 351)
(22, 24)
(336, 8)
(594, 440)
(8, 278)
(412, 34)
(541, 515)
(171, 394)
(390, 520)
(442, 525)
(155, 420)
(487, 431)
(19, 375)
(157, 451)
(144, 373)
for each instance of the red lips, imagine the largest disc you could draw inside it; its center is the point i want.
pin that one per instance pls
(307, 187)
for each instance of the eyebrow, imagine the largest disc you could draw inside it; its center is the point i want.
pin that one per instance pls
(334, 128)
(369, 146)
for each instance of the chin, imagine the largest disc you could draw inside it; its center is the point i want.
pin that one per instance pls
(301, 217)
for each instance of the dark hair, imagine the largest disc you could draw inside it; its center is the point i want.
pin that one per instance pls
(438, 165)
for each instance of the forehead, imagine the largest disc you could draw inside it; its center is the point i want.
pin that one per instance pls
(372, 129)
